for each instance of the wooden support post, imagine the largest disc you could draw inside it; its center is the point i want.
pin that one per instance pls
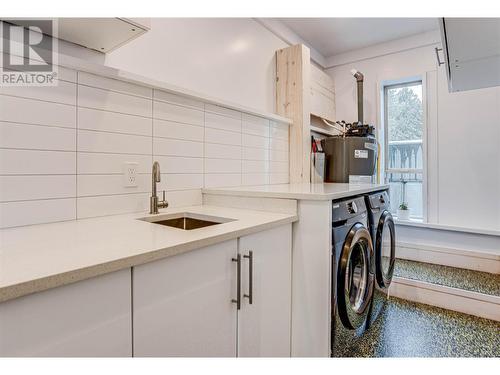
(293, 70)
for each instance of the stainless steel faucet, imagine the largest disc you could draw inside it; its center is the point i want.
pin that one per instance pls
(154, 203)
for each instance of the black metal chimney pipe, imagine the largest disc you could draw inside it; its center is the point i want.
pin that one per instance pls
(359, 79)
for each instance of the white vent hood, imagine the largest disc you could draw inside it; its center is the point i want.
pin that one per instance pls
(471, 48)
(100, 34)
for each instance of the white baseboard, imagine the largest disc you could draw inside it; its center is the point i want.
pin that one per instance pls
(468, 259)
(472, 303)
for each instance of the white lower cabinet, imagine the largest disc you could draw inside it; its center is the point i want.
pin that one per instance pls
(185, 305)
(90, 318)
(182, 304)
(264, 325)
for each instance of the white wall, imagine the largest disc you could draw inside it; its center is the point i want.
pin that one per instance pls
(463, 133)
(232, 59)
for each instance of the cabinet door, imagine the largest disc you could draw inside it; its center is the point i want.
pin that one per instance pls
(322, 94)
(182, 304)
(264, 325)
(90, 318)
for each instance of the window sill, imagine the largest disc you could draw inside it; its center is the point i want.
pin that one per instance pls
(421, 224)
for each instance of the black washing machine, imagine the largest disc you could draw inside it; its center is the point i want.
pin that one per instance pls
(383, 235)
(353, 274)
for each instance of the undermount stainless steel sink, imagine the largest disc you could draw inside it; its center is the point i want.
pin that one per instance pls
(186, 220)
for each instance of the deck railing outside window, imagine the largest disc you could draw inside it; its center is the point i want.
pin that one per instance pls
(404, 149)
(406, 185)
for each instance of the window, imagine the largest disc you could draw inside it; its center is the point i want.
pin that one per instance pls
(404, 148)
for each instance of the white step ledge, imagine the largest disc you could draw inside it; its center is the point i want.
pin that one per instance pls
(472, 303)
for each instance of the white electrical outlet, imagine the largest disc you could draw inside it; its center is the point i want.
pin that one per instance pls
(130, 174)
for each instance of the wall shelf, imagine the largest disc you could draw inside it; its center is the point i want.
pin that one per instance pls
(319, 130)
(79, 64)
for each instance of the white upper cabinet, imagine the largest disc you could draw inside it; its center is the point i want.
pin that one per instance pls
(322, 94)
(100, 34)
(471, 49)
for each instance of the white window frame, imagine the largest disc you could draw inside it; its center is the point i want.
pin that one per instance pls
(383, 120)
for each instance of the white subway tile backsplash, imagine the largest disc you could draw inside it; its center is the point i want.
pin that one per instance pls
(182, 198)
(31, 111)
(279, 167)
(279, 178)
(13, 214)
(255, 125)
(63, 149)
(255, 141)
(93, 80)
(97, 163)
(251, 153)
(111, 205)
(177, 113)
(176, 147)
(222, 151)
(254, 179)
(94, 119)
(180, 181)
(222, 137)
(279, 131)
(276, 155)
(92, 185)
(178, 164)
(65, 74)
(216, 121)
(15, 135)
(255, 166)
(64, 92)
(245, 117)
(96, 98)
(18, 162)
(177, 99)
(177, 130)
(222, 166)
(94, 141)
(213, 108)
(278, 144)
(21, 188)
(222, 179)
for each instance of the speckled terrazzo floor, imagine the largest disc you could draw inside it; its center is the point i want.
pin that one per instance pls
(409, 329)
(475, 281)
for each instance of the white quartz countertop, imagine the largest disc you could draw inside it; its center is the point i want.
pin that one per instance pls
(39, 257)
(306, 191)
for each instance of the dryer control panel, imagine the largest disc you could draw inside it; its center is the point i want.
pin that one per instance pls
(347, 209)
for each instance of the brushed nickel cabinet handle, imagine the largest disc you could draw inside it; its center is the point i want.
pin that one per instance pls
(250, 277)
(437, 56)
(238, 282)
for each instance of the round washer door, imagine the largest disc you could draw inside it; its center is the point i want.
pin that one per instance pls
(355, 277)
(385, 250)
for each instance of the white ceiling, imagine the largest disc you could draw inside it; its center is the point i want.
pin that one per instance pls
(331, 36)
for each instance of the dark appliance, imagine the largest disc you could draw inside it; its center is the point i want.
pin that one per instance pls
(352, 156)
(352, 275)
(350, 159)
(383, 234)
